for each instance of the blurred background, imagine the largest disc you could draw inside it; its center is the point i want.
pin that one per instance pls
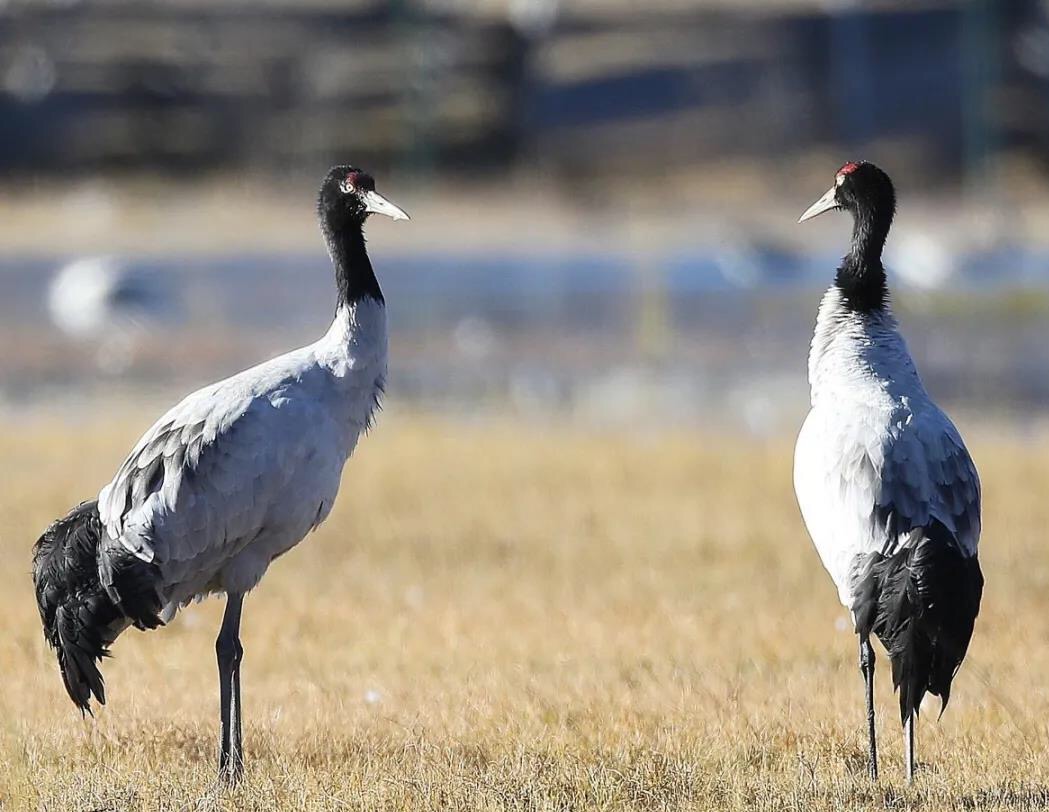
(604, 195)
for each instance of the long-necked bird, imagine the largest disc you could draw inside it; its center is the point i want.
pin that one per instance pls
(886, 486)
(235, 475)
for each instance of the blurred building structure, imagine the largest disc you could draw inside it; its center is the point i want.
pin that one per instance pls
(99, 85)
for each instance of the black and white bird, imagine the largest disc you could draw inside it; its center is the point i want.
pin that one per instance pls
(886, 486)
(107, 302)
(230, 478)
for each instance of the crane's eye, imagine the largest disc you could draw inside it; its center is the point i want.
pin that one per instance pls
(347, 187)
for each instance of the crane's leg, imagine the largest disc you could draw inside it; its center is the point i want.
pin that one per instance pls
(867, 667)
(908, 739)
(230, 652)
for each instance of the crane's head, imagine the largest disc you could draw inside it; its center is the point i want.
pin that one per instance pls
(348, 195)
(858, 188)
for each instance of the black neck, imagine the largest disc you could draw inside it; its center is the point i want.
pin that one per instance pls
(354, 276)
(861, 276)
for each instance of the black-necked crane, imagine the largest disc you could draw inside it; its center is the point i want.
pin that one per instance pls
(886, 486)
(230, 478)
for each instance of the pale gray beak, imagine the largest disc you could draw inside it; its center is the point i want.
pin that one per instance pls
(375, 203)
(825, 203)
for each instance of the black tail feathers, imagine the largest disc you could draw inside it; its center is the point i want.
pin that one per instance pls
(81, 618)
(921, 602)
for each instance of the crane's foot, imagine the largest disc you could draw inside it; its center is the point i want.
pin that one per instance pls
(909, 751)
(231, 768)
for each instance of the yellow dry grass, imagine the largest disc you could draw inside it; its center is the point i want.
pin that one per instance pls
(500, 616)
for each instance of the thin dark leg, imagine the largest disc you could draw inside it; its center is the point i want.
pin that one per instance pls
(867, 667)
(230, 652)
(908, 738)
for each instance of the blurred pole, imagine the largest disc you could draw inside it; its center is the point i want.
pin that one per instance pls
(653, 323)
(532, 22)
(422, 45)
(981, 29)
(654, 327)
(851, 82)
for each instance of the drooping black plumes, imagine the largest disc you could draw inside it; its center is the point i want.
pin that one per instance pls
(81, 618)
(921, 601)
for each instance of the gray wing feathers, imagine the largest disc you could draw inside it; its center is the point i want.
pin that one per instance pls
(928, 475)
(152, 474)
(197, 487)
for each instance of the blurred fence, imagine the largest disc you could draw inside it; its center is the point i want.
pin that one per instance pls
(459, 85)
(102, 85)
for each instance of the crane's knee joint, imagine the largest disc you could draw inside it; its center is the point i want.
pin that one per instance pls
(866, 656)
(229, 650)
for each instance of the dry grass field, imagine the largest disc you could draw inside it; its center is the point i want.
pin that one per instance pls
(500, 616)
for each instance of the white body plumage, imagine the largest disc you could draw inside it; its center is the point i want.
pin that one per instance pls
(886, 486)
(875, 456)
(242, 470)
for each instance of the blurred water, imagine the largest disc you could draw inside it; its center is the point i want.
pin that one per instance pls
(605, 336)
